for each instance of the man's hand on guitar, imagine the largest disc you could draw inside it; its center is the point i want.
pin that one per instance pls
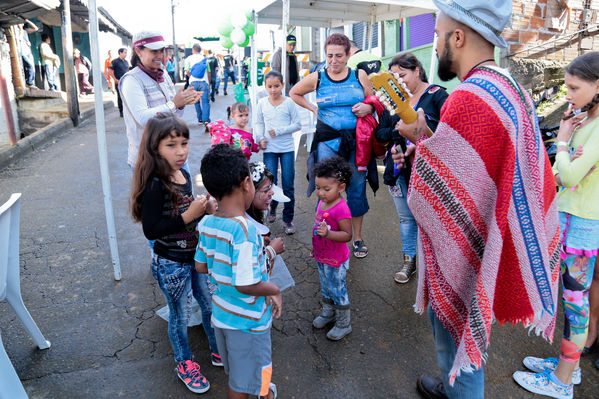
(415, 130)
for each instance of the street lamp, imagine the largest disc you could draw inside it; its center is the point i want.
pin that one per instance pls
(175, 48)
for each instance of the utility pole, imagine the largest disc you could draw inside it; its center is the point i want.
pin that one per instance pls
(69, 69)
(175, 48)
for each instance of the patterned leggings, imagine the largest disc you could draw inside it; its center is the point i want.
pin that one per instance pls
(577, 275)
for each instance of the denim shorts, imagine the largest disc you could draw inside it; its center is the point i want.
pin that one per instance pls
(246, 359)
(356, 189)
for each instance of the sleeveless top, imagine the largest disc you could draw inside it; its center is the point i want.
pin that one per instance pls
(335, 99)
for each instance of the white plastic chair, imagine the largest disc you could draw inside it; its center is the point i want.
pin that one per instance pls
(10, 289)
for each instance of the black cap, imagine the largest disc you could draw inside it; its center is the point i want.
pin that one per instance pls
(291, 39)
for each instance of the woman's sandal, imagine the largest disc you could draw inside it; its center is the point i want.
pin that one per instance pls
(360, 250)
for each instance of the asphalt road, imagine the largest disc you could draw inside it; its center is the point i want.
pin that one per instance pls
(108, 342)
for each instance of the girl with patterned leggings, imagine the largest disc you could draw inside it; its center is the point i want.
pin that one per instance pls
(575, 170)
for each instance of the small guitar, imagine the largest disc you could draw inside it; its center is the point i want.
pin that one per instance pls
(393, 93)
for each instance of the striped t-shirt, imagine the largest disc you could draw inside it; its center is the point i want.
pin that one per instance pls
(232, 250)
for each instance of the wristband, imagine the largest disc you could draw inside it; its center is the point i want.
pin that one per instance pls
(271, 251)
(562, 143)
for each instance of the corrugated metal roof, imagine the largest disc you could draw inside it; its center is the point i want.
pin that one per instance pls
(47, 11)
(13, 12)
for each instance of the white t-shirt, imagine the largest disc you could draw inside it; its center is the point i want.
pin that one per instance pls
(190, 62)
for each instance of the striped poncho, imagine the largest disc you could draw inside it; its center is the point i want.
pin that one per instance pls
(483, 194)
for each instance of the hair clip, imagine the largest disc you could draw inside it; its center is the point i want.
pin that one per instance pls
(258, 171)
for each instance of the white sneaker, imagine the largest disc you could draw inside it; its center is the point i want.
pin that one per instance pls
(539, 365)
(541, 383)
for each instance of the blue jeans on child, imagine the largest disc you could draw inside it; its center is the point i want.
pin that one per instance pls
(408, 229)
(175, 280)
(356, 189)
(287, 160)
(467, 385)
(332, 283)
(202, 106)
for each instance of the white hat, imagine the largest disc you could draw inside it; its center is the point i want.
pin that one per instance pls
(278, 194)
(149, 38)
(486, 17)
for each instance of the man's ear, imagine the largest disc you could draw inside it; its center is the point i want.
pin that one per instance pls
(460, 38)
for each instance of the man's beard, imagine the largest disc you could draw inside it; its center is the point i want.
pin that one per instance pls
(445, 63)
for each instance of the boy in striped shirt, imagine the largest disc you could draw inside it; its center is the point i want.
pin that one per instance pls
(230, 251)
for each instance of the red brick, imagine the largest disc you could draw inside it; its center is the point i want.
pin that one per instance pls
(517, 47)
(546, 36)
(528, 36)
(517, 8)
(520, 23)
(511, 35)
(537, 23)
(533, 10)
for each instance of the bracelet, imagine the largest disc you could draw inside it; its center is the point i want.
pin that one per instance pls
(271, 252)
(562, 144)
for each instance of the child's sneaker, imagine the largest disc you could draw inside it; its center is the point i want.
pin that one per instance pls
(539, 365)
(216, 360)
(542, 384)
(272, 387)
(189, 372)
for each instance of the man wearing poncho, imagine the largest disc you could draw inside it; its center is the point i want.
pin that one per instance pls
(483, 195)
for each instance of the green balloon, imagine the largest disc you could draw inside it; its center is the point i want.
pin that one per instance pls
(225, 28)
(226, 42)
(246, 42)
(249, 28)
(249, 14)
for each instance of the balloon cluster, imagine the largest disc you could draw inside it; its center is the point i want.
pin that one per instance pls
(236, 29)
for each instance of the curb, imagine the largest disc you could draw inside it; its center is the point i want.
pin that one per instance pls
(42, 136)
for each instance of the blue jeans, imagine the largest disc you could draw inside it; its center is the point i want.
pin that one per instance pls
(201, 292)
(287, 160)
(356, 189)
(228, 73)
(29, 69)
(50, 74)
(467, 385)
(332, 283)
(408, 229)
(175, 282)
(202, 106)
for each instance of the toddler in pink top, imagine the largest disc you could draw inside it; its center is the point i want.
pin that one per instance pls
(239, 135)
(332, 230)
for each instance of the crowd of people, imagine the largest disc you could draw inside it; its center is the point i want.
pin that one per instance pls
(480, 219)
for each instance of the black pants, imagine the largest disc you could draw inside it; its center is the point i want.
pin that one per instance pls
(119, 101)
(212, 87)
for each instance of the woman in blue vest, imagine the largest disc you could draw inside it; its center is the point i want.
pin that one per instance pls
(340, 92)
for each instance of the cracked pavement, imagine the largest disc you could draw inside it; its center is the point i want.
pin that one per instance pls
(108, 342)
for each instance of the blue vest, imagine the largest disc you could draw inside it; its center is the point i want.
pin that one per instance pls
(335, 99)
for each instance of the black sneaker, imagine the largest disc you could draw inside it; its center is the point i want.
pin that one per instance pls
(431, 387)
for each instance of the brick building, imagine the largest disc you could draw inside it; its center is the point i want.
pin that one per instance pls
(545, 35)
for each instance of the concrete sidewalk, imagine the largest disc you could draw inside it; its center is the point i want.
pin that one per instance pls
(107, 341)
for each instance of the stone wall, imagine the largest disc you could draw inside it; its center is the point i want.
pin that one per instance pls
(537, 75)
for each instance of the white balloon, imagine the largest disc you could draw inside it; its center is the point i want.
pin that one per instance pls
(239, 19)
(238, 36)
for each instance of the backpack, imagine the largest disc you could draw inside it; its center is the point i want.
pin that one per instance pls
(198, 70)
